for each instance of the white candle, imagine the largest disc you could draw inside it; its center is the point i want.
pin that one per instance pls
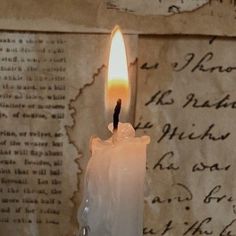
(114, 177)
(114, 185)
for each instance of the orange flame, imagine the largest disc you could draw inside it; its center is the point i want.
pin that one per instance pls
(117, 85)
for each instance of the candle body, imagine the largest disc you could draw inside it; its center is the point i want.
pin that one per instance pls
(114, 185)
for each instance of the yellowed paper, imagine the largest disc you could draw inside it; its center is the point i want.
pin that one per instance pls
(154, 7)
(38, 173)
(186, 102)
(47, 119)
(52, 102)
(213, 18)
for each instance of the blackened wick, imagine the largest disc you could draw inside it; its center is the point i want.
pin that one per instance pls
(116, 115)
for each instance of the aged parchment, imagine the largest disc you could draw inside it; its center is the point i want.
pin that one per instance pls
(186, 102)
(38, 172)
(216, 17)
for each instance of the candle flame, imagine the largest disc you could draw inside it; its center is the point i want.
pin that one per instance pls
(117, 85)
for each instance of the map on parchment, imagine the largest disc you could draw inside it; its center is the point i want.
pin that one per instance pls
(155, 7)
(191, 17)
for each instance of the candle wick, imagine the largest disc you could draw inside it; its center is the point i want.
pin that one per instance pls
(116, 115)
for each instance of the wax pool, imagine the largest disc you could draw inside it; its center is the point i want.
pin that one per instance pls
(114, 185)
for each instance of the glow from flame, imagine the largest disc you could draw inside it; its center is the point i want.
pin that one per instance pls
(117, 85)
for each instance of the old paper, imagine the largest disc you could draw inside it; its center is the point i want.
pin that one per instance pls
(186, 102)
(52, 102)
(48, 117)
(38, 172)
(103, 15)
(154, 7)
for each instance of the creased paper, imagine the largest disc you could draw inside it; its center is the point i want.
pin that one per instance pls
(186, 102)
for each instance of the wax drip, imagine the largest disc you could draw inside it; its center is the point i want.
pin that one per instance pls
(84, 231)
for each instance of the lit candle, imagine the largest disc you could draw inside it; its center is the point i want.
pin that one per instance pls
(114, 177)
